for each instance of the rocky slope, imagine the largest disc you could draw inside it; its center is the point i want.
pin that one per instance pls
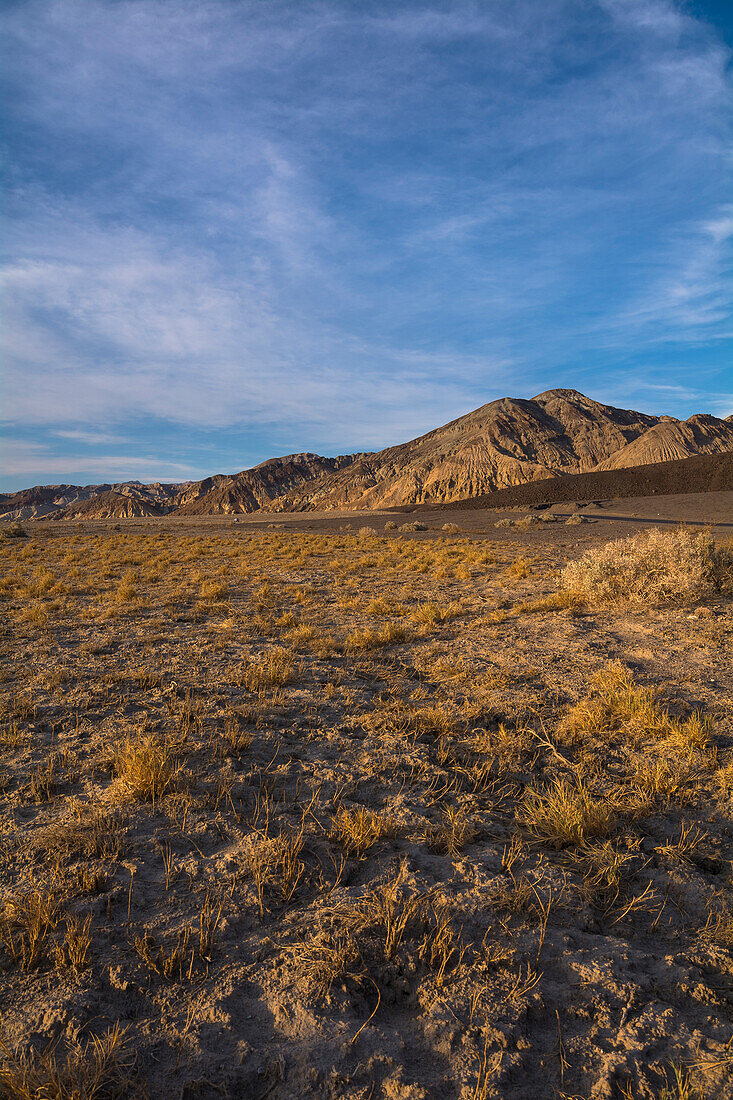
(672, 440)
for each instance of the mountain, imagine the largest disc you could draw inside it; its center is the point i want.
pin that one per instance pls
(508, 442)
(671, 440)
(259, 487)
(699, 474)
(50, 501)
(111, 505)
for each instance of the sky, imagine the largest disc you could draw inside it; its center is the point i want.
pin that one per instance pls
(235, 229)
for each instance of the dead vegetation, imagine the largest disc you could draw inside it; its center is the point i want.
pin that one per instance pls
(277, 807)
(652, 567)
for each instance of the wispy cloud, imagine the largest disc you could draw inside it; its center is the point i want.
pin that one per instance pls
(22, 459)
(339, 225)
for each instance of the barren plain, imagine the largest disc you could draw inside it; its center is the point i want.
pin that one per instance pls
(314, 807)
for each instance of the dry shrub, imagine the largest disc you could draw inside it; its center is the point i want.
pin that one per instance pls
(652, 567)
(100, 1069)
(563, 814)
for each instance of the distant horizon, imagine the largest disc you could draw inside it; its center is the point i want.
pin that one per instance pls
(238, 230)
(135, 479)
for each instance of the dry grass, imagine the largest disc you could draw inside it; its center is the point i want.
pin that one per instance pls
(72, 952)
(148, 767)
(264, 785)
(26, 926)
(452, 834)
(276, 867)
(562, 814)
(273, 669)
(99, 1069)
(359, 829)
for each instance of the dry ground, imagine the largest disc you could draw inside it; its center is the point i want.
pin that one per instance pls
(291, 813)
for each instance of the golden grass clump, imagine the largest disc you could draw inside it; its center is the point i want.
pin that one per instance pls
(214, 591)
(72, 952)
(147, 766)
(389, 634)
(273, 669)
(619, 706)
(26, 925)
(359, 829)
(451, 835)
(564, 814)
(99, 1068)
(652, 567)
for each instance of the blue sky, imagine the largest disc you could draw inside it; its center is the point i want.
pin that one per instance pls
(241, 228)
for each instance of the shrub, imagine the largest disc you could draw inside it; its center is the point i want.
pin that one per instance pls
(14, 531)
(651, 567)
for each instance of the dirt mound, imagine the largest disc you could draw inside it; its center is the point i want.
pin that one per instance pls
(701, 474)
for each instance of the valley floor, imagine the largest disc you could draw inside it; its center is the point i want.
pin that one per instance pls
(309, 812)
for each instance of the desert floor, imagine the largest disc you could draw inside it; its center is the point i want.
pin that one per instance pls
(306, 811)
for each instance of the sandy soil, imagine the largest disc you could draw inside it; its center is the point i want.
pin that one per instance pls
(274, 803)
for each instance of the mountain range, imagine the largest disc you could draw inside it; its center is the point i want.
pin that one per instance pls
(506, 442)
